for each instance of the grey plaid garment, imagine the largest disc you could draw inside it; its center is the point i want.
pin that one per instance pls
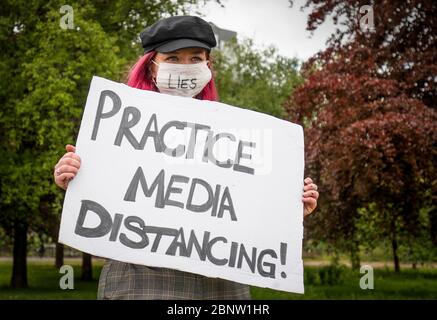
(127, 281)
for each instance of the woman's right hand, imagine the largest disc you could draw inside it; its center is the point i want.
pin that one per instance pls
(67, 167)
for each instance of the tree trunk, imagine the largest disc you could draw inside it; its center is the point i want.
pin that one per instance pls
(19, 267)
(355, 256)
(59, 255)
(87, 267)
(394, 245)
(433, 224)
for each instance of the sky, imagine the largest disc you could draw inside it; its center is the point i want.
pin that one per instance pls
(270, 22)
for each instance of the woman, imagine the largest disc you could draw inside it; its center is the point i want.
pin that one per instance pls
(176, 62)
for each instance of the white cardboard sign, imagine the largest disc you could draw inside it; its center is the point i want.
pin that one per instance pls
(193, 185)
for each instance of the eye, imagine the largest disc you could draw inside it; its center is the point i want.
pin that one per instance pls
(172, 59)
(196, 59)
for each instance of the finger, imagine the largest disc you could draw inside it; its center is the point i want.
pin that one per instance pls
(310, 186)
(308, 180)
(69, 161)
(310, 201)
(70, 148)
(63, 179)
(71, 155)
(64, 176)
(311, 194)
(308, 211)
(68, 155)
(66, 169)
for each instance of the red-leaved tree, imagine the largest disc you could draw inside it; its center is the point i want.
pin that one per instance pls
(369, 110)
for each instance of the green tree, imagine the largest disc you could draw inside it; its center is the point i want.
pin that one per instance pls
(257, 79)
(45, 72)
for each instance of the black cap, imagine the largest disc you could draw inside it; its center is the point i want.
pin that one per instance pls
(178, 32)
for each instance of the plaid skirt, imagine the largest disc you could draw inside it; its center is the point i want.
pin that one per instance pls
(120, 280)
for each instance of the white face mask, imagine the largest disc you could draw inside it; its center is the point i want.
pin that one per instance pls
(186, 80)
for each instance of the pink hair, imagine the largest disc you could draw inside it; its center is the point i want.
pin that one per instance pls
(139, 77)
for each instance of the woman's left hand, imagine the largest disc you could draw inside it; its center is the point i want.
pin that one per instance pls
(310, 196)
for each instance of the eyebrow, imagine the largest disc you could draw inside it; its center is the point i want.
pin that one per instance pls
(192, 52)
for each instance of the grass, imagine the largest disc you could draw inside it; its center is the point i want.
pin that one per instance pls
(43, 279)
(409, 284)
(320, 283)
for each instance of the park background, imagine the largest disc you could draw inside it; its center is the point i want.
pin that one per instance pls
(366, 101)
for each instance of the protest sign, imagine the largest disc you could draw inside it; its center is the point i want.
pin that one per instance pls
(193, 185)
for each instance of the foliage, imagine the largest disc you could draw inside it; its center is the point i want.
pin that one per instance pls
(49, 70)
(252, 78)
(43, 115)
(45, 72)
(368, 104)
